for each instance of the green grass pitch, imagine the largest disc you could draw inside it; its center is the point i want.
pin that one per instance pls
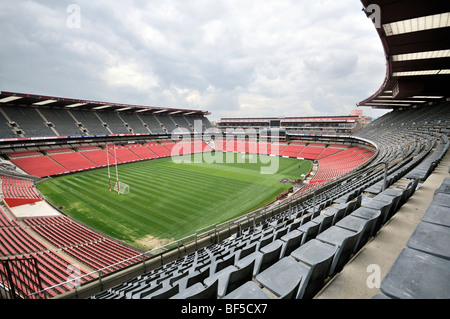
(169, 200)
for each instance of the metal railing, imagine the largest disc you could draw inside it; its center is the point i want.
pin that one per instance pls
(209, 235)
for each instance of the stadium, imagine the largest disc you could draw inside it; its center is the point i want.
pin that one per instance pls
(104, 200)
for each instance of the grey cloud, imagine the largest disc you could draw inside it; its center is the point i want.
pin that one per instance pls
(336, 65)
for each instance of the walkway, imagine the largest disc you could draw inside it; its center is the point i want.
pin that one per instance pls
(356, 279)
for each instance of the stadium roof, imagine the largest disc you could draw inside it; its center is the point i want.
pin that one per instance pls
(415, 35)
(21, 99)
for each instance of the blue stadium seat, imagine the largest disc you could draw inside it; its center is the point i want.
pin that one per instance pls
(316, 258)
(345, 240)
(417, 275)
(282, 278)
(248, 291)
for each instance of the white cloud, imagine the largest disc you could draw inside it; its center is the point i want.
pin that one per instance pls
(129, 75)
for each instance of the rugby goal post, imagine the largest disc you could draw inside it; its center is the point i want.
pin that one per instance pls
(122, 188)
(119, 187)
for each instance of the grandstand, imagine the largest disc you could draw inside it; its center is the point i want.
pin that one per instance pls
(363, 189)
(327, 125)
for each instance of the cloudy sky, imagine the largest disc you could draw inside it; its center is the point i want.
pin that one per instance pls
(234, 58)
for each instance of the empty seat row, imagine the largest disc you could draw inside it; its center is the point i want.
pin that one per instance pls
(32, 123)
(426, 167)
(422, 269)
(18, 188)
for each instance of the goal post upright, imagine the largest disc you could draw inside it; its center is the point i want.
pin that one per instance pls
(120, 187)
(117, 170)
(107, 161)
